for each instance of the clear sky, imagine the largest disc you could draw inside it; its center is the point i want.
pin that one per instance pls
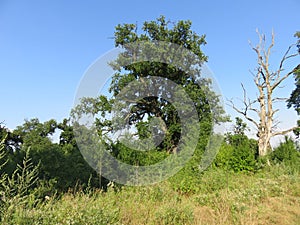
(46, 46)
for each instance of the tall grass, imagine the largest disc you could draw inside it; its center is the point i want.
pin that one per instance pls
(269, 197)
(16, 190)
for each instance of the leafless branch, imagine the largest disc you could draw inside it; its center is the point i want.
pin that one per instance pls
(283, 132)
(275, 126)
(279, 99)
(282, 79)
(267, 54)
(262, 74)
(285, 57)
(244, 113)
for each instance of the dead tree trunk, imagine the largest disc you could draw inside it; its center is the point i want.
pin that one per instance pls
(266, 82)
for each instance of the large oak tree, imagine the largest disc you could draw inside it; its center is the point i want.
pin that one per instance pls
(205, 100)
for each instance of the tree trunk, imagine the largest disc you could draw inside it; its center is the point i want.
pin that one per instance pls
(263, 145)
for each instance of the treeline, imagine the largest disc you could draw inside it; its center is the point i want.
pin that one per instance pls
(61, 167)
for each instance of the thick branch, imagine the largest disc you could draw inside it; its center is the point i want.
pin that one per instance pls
(283, 132)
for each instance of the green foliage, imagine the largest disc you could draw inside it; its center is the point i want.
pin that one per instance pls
(297, 35)
(224, 198)
(136, 157)
(22, 180)
(144, 110)
(287, 153)
(11, 148)
(214, 190)
(243, 155)
(224, 155)
(294, 99)
(238, 152)
(3, 175)
(175, 215)
(61, 163)
(240, 127)
(188, 179)
(15, 189)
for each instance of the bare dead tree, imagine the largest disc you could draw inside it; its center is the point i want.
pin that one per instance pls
(266, 82)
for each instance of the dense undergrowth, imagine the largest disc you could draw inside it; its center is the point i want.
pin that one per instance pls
(220, 195)
(271, 196)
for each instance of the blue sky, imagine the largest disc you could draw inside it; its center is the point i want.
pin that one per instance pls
(46, 46)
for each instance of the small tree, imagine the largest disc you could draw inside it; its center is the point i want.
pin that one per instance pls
(266, 81)
(240, 126)
(238, 152)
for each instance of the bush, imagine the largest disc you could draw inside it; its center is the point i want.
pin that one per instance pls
(188, 179)
(237, 153)
(286, 153)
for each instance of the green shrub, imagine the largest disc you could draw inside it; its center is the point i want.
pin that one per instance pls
(188, 179)
(242, 159)
(286, 153)
(237, 153)
(223, 157)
